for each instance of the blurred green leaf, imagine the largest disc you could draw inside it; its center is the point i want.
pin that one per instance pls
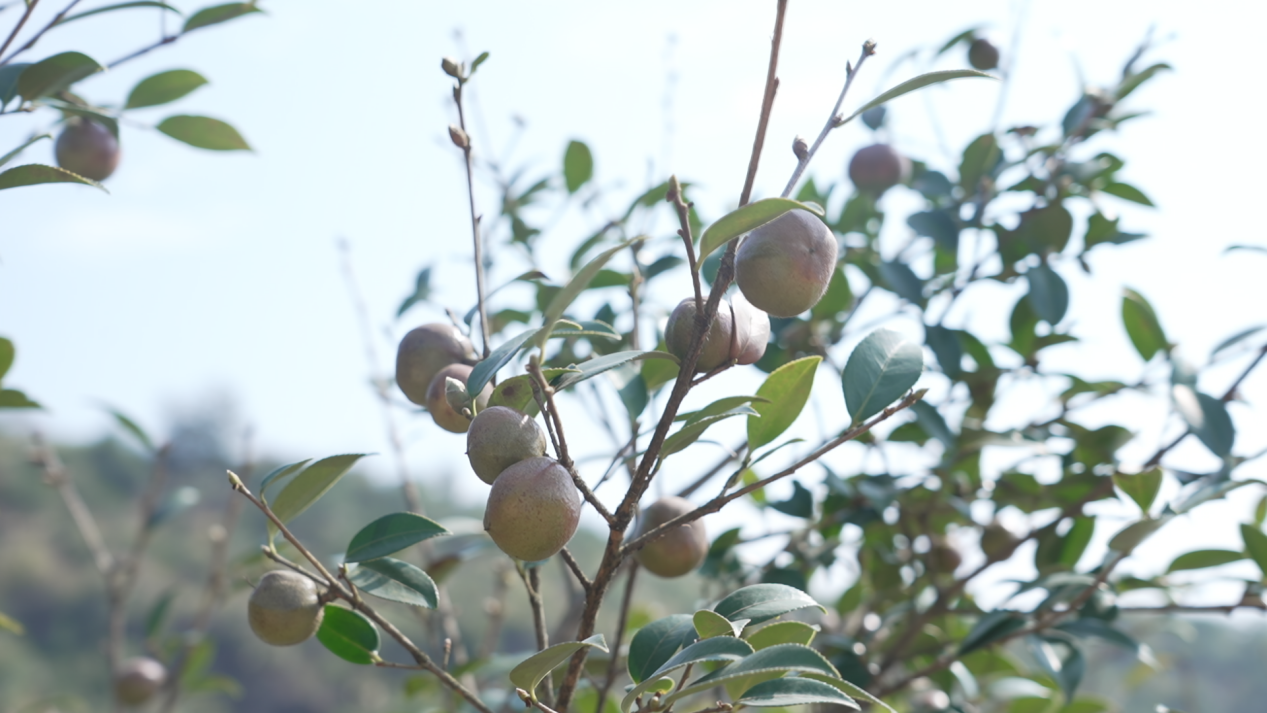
(593, 367)
(787, 390)
(902, 281)
(1140, 487)
(1048, 294)
(800, 504)
(7, 354)
(53, 74)
(691, 431)
(112, 8)
(939, 225)
(1132, 81)
(1101, 230)
(308, 487)
(390, 534)
(1255, 546)
(1128, 192)
(131, 427)
(1225, 344)
(349, 635)
(1207, 417)
(422, 292)
(879, 371)
(532, 670)
(581, 280)
(762, 602)
(163, 87)
(12, 398)
(990, 628)
(158, 614)
(722, 648)
(394, 580)
(980, 159)
(204, 133)
(745, 220)
(9, 75)
(22, 147)
(655, 643)
(216, 14)
(1142, 325)
(578, 165)
(1132, 535)
(11, 625)
(33, 174)
(795, 692)
(1200, 559)
(914, 83)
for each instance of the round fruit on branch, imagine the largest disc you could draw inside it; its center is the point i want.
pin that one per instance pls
(87, 148)
(677, 551)
(983, 55)
(138, 679)
(784, 266)
(877, 168)
(285, 608)
(442, 412)
(533, 509)
(500, 437)
(426, 350)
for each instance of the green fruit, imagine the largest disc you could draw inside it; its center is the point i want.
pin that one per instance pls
(501, 437)
(285, 608)
(88, 149)
(784, 266)
(679, 550)
(877, 168)
(943, 558)
(138, 679)
(997, 542)
(533, 509)
(983, 55)
(437, 402)
(424, 352)
(717, 348)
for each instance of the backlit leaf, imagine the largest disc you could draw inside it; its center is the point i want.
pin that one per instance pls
(532, 670)
(914, 83)
(204, 133)
(308, 487)
(1142, 325)
(164, 87)
(53, 74)
(578, 165)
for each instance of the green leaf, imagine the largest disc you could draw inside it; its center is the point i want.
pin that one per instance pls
(1048, 294)
(533, 669)
(348, 635)
(578, 165)
(11, 625)
(390, 534)
(1237, 339)
(795, 692)
(782, 632)
(979, 160)
(1090, 626)
(204, 133)
(1142, 325)
(9, 75)
(1208, 418)
(117, 6)
(1141, 487)
(397, 581)
(131, 427)
(800, 504)
(1076, 540)
(691, 431)
(746, 219)
(722, 648)
(709, 624)
(1255, 546)
(7, 354)
(12, 398)
(881, 369)
(554, 311)
(593, 367)
(914, 83)
(308, 487)
(990, 628)
(481, 59)
(1132, 535)
(720, 406)
(902, 281)
(933, 424)
(53, 74)
(850, 689)
(216, 14)
(33, 174)
(422, 291)
(163, 87)
(22, 147)
(1132, 81)
(1200, 559)
(656, 643)
(762, 602)
(280, 474)
(158, 614)
(1128, 192)
(778, 658)
(501, 356)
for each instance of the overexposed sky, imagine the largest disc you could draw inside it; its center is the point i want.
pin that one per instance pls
(205, 276)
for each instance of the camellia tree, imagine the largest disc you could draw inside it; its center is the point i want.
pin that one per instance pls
(775, 287)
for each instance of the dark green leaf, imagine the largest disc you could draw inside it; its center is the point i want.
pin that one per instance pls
(1141, 487)
(1102, 230)
(691, 431)
(398, 581)
(55, 73)
(12, 398)
(800, 504)
(1215, 430)
(902, 281)
(118, 6)
(1255, 546)
(9, 75)
(7, 353)
(1048, 294)
(422, 292)
(778, 658)
(307, 487)
(1075, 542)
(914, 83)
(723, 648)
(33, 174)
(794, 692)
(990, 628)
(390, 534)
(939, 225)
(164, 87)
(533, 669)
(348, 635)
(501, 356)
(761, 602)
(837, 298)
(1128, 192)
(710, 624)
(1142, 325)
(216, 14)
(1200, 559)
(787, 389)
(979, 161)
(1100, 629)
(131, 427)
(745, 220)
(581, 280)
(881, 369)
(1132, 535)
(655, 643)
(280, 474)
(593, 367)
(933, 424)
(946, 347)
(578, 165)
(204, 133)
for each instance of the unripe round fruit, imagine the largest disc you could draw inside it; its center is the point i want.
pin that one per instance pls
(679, 550)
(943, 558)
(438, 403)
(983, 55)
(88, 149)
(285, 608)
(877, 168)
(784, 266)
(138, 679)
(533, 509)
(501, 437)
(426, 350)
(717, 342)
(997, 541)
(752, 330)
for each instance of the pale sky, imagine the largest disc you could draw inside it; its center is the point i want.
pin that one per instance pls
(204, 277)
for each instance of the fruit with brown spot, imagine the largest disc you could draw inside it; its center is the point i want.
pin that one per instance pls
(678, 551)
(784, 266)
(424, 351)
(533, 509)
(285, 608)
(501, 437)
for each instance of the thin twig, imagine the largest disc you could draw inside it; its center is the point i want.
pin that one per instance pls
(683, 209)
(576, 569)
(731, 455)
(543, 391)
(475, 217)
(31, 42)
(30, 7)
(144, 50)
(532, 584)
(622, 621)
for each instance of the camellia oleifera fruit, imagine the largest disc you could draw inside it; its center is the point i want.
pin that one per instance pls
(739, 332)
(677, 551)
(138, 679)
(437, 401)
(943, 558)
(877, 168)
(87, 148)
(784, 266)
(533, 509)
(998, 542)
(426, 350)
(285, 608)
(501, 437)
(983, 55)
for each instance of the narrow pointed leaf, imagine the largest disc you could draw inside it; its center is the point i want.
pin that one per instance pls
(218, 13)
(1255, 545)
(22, 147)
(131, 427)
(919, 82)
(117, 6)
(348, 635)
(990, 628)
(164, 87)
(554, 311)
(308, 487)
(578, 166)
(53, 74)
(1200, 559)
(882, 368)
(593, 367)
(787, 389)
(390, 534)
(501, 356)
(32, 174)
(203, 132)
(761, 602)
(280, 474)
(397, 581)
(850, 689)
(746, 219)
(689, 433)
(532, 670)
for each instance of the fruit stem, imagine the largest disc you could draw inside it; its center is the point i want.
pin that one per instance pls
(475, 217)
